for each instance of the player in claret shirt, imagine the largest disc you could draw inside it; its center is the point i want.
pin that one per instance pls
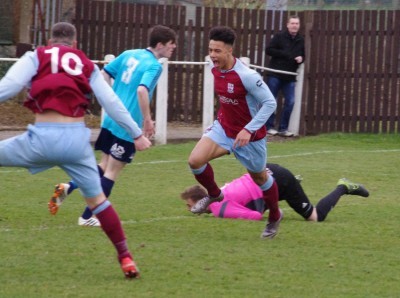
(245, 105)
(60, 78)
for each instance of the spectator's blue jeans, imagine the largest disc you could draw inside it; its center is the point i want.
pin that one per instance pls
(287, 88)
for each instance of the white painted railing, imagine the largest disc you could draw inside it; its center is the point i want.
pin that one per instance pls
(208, 94)
(294, 122)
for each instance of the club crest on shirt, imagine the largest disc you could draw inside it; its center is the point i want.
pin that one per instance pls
(230, 88)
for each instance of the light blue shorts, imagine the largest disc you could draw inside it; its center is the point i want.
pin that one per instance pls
(46, 145)
(252, 156)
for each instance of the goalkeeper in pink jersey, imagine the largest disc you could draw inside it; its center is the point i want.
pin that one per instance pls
(243, 198)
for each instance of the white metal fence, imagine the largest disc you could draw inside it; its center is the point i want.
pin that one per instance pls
(208, 94)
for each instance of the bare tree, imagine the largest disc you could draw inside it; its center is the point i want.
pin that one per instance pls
(277, 4)
(250, 4)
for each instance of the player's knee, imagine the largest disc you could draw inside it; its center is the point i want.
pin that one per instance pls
(313, 216)
(306, 210)
(195, 163)
(198, 170)
(262, 179)
(92, 202)
(192, 164)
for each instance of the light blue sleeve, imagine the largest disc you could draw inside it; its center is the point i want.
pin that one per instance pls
(114, 66)
(150, 77)
(112, 104)
(19, 76)
(260, 99)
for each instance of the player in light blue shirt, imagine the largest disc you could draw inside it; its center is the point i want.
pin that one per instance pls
(133, 76)
(131, 70)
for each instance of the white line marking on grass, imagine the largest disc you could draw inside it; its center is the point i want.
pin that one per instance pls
(12, 171)
(232, 158)
(336, 151)
(280, 156)
(150, 220)
(74, 226)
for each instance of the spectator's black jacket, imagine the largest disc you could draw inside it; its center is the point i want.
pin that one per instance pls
(283, 48)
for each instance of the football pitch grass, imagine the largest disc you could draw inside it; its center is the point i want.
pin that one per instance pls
(354, 253)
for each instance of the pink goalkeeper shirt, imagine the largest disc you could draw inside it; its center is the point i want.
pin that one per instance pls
(238, 194)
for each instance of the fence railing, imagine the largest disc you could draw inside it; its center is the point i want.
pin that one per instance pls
(209, 98)
(352, 57)
(161, 111)
(352, 65)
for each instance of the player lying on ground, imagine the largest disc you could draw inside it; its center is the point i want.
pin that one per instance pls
(243, 198)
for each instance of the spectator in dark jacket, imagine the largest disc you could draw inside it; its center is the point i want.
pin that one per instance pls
(287, 53)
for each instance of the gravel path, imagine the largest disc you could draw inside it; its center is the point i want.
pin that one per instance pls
(175, 133)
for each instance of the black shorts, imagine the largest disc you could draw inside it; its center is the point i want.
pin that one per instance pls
(118, 148)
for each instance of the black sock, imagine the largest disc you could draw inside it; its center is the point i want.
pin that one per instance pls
(107, 185)
(326, 204)
(101, 172)
(87, 213)
(72, 187)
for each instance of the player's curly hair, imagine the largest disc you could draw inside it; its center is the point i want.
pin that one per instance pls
(224, 34)
(195, 192)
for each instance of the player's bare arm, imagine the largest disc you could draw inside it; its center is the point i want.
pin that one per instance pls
(144, 102)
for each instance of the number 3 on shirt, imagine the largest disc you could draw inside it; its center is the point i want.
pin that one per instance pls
(76, 71)
(130, 67)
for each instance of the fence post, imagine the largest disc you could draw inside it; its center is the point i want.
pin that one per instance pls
(245, 60)
(107, 59)
(208, 95)
(294, 122)
(160, 137)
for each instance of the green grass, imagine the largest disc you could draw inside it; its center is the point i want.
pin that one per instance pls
(354, 253)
